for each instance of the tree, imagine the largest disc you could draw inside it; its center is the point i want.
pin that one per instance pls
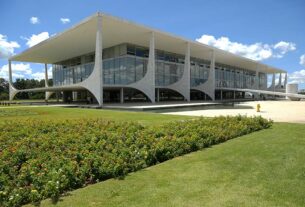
(20, 84)
(4, 89)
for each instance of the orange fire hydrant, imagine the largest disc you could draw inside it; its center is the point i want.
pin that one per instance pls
(258, 108)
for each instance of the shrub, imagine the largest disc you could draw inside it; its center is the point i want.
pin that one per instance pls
(44, 159)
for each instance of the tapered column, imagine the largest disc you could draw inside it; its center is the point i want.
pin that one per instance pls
(10, 72)
(285, 81)
(280, 81)
(99, 60)
(152, 65)
(46, 82)
(12, 90)
(46, 79)
(187, 70)
(147, 83)
(182, 86)
(208, 87)
(212, 74)
(94, 83)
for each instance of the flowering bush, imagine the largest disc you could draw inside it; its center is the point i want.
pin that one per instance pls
(44, 159)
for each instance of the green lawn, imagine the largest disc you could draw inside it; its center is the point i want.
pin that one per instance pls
(21, 112)
(265, 168)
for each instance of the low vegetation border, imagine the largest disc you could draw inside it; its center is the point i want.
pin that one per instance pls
(44, 159)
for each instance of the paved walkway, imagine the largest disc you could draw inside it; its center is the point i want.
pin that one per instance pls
(279, 111)
(158, 106)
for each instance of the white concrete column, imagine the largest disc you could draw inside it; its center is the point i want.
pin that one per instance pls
(74, 95)
(280, 81)
(184, 83)
(122, 95)
(10, 72)
(187, 70)
(46, 75)
(94, 83)
(209, 86)
(212, 74)
(12, 90)
(99, 60)
(285, 81)
(46, 82)
(152, 64)
(147, 83)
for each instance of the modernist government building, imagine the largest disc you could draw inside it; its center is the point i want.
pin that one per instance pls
(108, 59)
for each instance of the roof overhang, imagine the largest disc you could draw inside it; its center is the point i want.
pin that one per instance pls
(81, 38)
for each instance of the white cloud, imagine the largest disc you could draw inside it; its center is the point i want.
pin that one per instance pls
(19, 70)
(7, 48)
(38, 75)
(297, 77)
(302, 60)
(41, 75)
(34, 20)
(255, 51)
(50, 72)
(65, 20)
(35, 39)
(283, 48)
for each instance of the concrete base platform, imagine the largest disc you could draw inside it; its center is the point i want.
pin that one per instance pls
(137, 106)
(157, 106)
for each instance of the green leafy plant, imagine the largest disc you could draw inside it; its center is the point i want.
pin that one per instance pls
(44, 159)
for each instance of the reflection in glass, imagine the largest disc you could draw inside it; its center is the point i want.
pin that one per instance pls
(233, 77)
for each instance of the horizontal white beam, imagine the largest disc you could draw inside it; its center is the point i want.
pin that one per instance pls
(294, 95)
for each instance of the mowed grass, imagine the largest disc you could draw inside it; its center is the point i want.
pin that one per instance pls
(54, 113)
(265, 168)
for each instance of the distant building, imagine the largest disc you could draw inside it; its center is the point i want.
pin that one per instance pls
(113, 60)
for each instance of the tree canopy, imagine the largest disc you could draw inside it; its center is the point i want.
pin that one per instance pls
(21, 83)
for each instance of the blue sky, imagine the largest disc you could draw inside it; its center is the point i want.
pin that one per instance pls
(271, 31)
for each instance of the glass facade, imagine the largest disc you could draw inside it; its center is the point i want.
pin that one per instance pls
(169, 68)
(73, 71)
(233, 77)
(122, 65)
(126, 63)
(262, 80)
(199, 71)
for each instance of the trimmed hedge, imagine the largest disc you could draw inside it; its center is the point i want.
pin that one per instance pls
(44, 159)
